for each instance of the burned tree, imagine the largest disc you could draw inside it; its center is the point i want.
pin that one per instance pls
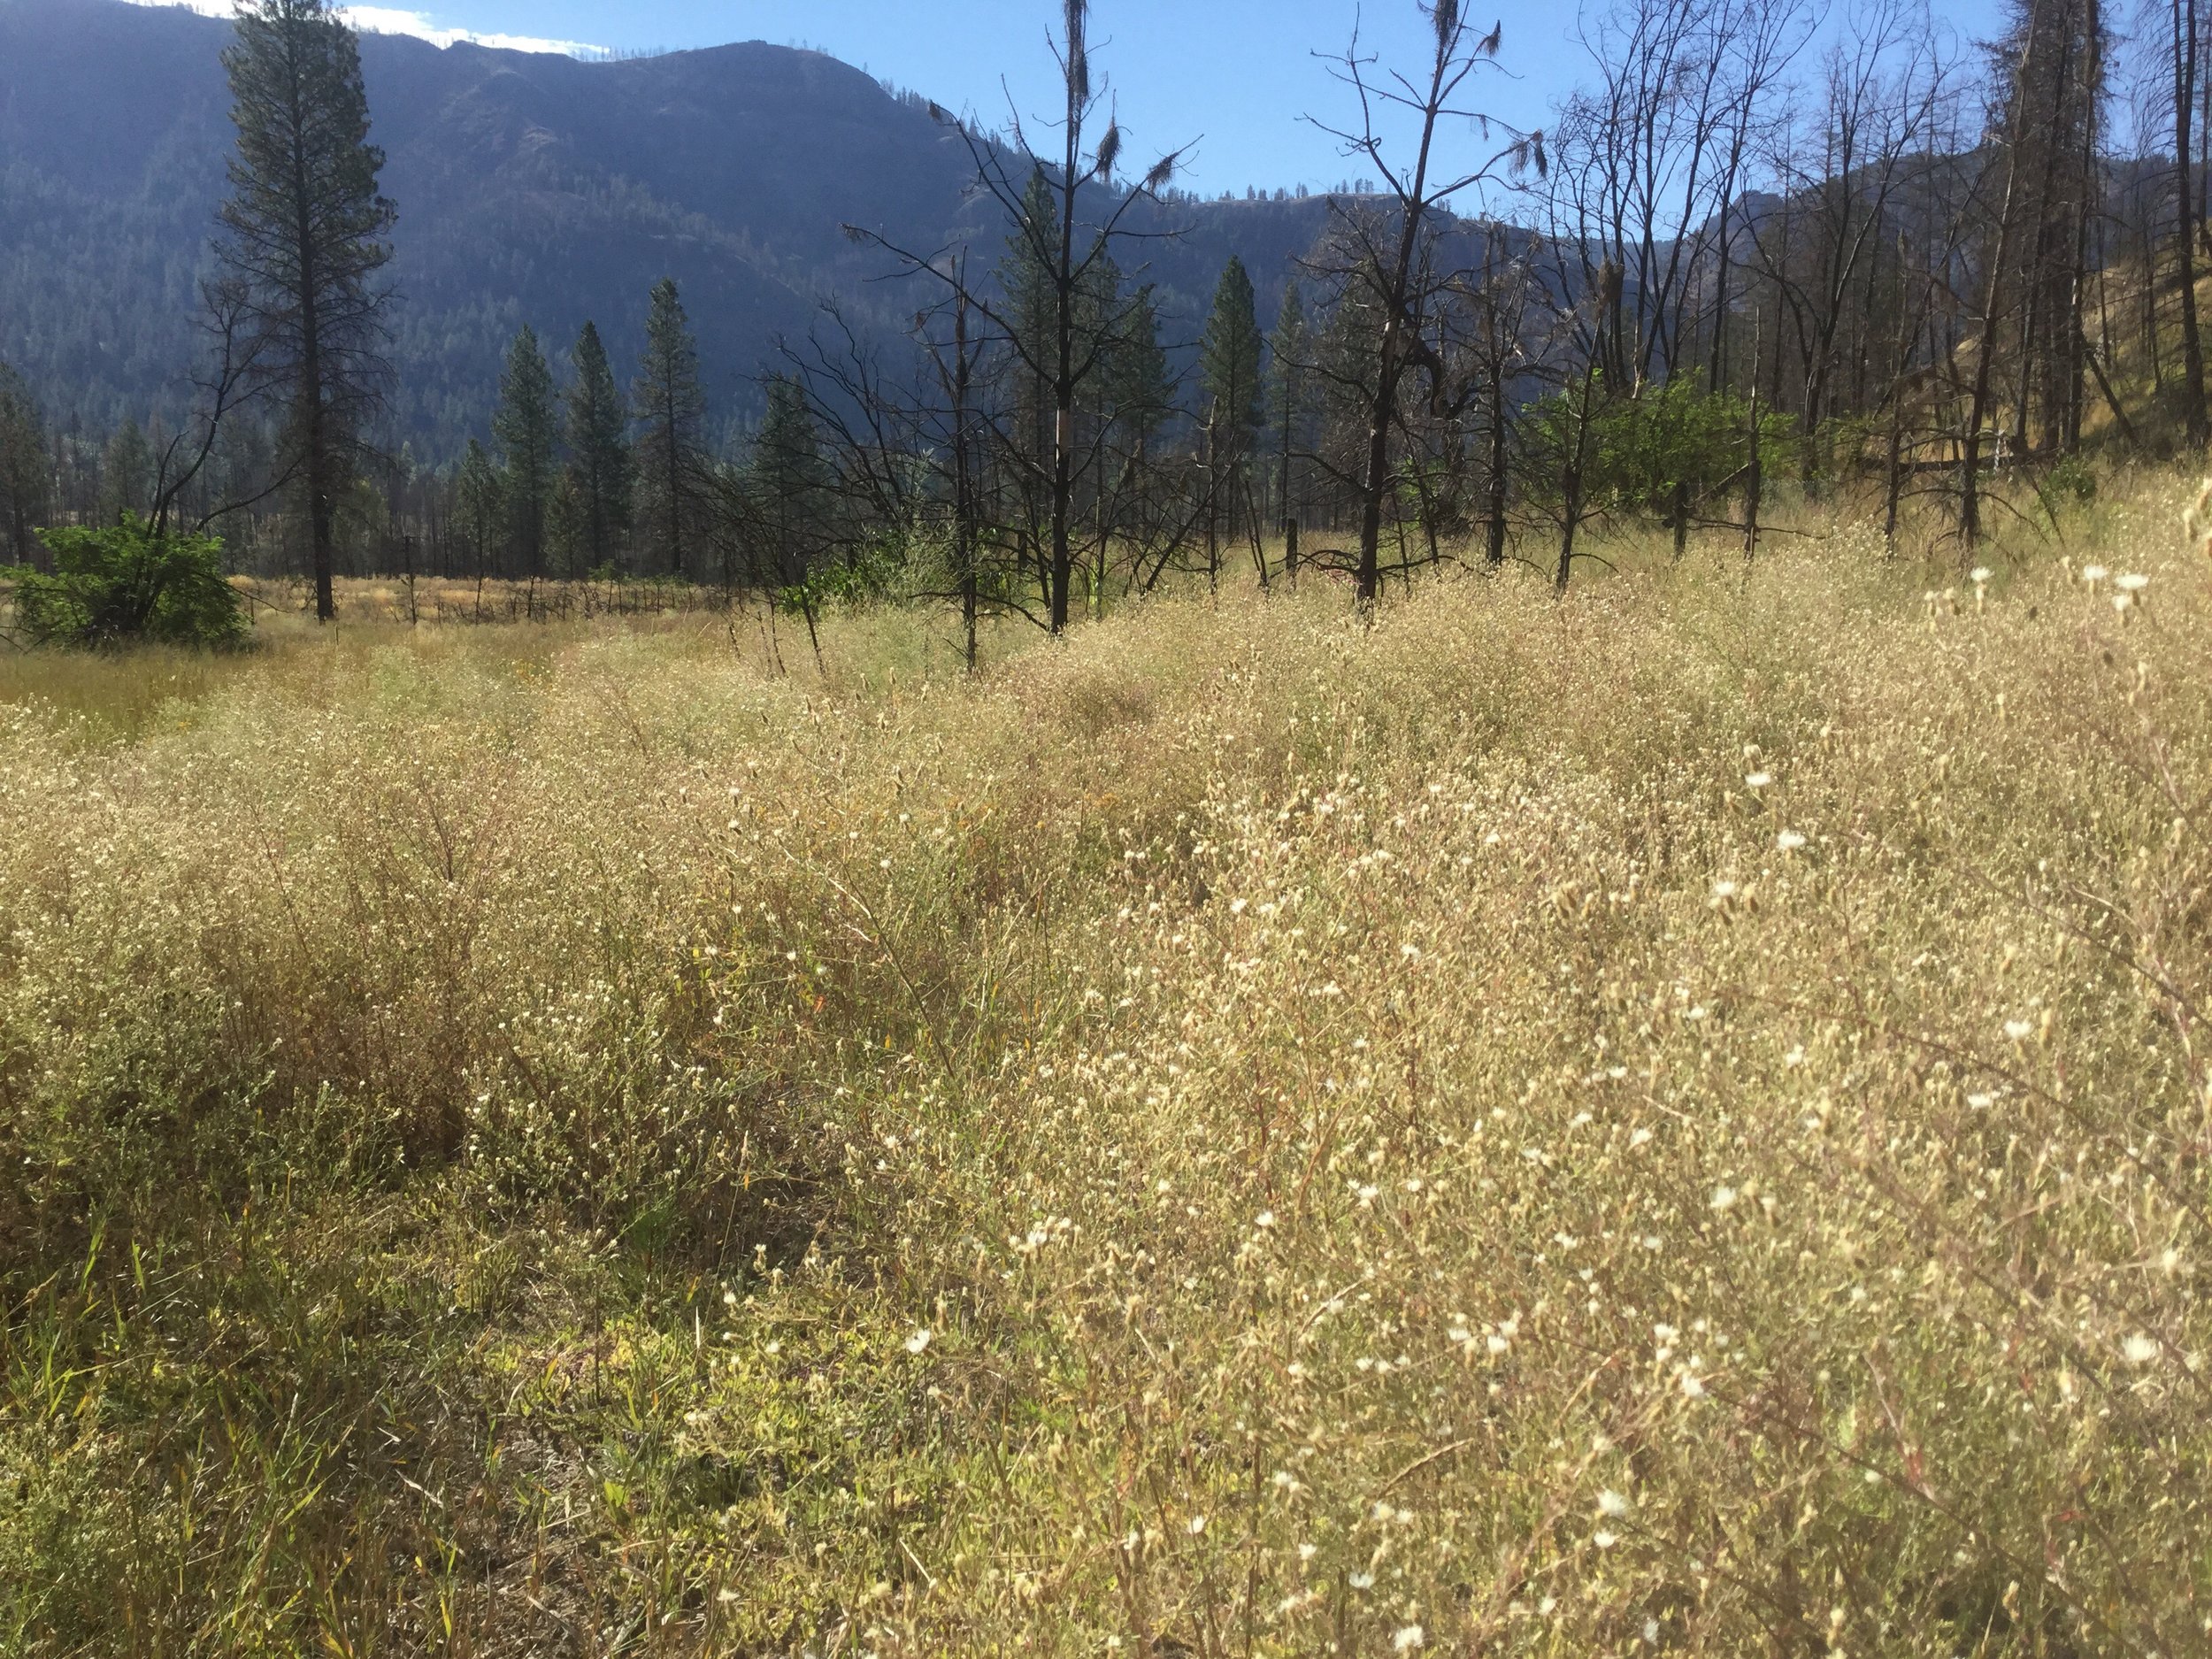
(1384, 260)
(1044, 199)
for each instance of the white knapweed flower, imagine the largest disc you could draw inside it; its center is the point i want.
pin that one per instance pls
(1789, 842)
(1641, 1138)
(1981, 574)
(2019, 1030)
(2132, 583)
(1196, 1525)
(916, 1343)
(1759, 780)
(1724, 1198)
(1407, 1639)
(1724, 891)
(2138, 1351)
(1612, 1504)
(1692, 1388)
(1605, 1540)
(2092, 574)
(1265, 1220)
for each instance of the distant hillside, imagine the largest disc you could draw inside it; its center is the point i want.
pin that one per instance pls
(531, 188)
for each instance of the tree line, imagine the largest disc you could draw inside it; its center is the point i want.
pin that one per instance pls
(1760, 248)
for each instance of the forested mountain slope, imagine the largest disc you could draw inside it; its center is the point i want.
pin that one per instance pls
(532, 188)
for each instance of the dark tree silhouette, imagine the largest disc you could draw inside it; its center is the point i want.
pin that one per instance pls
(303, 242)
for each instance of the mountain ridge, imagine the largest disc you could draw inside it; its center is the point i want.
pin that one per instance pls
(531, 187)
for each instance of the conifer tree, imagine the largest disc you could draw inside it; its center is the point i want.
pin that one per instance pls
(1229, 377)
(672, 408)
(126, 474)
(527, 424)
(1287, 349)
(480, 509)
(305, 242)
(788, 478)
(786, 481)
(599, 465)
(1032, 314)
(22, 468)
(1140, 388)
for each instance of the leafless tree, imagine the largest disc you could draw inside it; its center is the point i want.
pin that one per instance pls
(1069, 253)
(1383, 259)
(1883, 84)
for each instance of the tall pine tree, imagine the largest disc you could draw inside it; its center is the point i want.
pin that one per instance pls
(479, 508)
(1229, 378)
(600, 467)
(22, 468)
(1140, 388)
(1033, 317)
(1288, 350)
(528, 424)
(126, 474)
(672, 409)
(788, 484)
(305, 242)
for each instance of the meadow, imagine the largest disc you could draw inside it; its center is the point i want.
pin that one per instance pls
(1674, 1119)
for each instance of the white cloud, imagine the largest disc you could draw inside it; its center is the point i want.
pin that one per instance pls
(398, 20)
(392, 20)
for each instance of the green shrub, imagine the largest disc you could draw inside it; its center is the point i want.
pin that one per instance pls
(2073, 480)
(128, 581)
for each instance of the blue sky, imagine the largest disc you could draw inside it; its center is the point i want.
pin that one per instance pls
(1233, 75)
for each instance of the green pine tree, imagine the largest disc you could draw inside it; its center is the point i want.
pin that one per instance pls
(527, 424)
(23, 469)
(601, 469)
(1140, 388)
(305, 242)
(1032, 315)
(672, 408)
(788, 482)
(479, 506)
(1289, 350)
(1229, 377)
(126, 474)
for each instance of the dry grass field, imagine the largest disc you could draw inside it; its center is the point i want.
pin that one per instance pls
(1671, 1121)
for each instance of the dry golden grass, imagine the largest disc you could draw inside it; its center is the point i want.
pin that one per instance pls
(1671, 1121)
